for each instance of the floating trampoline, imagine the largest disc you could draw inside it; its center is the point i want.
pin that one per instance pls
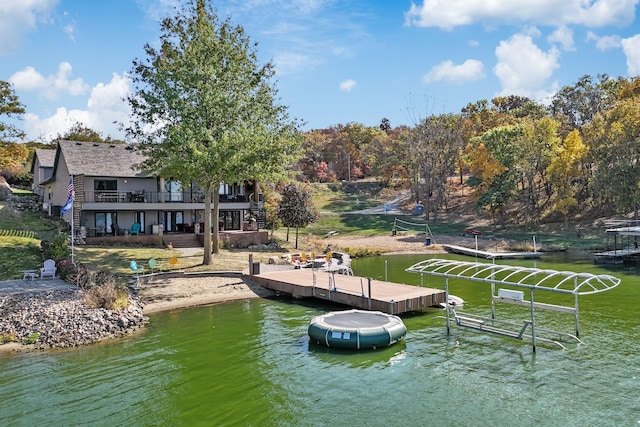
(357, 329)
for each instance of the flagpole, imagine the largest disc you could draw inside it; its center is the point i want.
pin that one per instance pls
(72, 237)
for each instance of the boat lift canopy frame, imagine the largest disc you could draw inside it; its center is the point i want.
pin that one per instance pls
(531, 279)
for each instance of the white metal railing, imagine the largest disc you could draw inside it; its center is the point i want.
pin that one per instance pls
(531, 279)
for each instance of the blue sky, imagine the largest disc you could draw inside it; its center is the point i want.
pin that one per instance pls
(336, 61)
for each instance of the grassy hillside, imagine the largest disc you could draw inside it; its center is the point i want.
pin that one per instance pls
(21, 232)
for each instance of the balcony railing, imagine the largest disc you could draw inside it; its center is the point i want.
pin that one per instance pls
(102, 196)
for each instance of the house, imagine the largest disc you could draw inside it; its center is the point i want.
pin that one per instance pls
(42, 169)
(111, 189)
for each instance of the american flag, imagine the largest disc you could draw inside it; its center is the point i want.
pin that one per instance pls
(70, 192)
(71, 196)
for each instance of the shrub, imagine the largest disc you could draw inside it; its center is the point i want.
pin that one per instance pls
(67, 271)
(10, 337)
(57, 248)
(107, 296)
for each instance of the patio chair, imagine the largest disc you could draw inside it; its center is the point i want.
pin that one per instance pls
(48, 269)
(117, 231)
(137, 269)
(135, 229)
(153, 265)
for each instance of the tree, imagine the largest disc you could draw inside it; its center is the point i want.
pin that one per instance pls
(563, 171)
(577, 104)
(493, 159)
(296, 208)
(80, 132)
(205, 111)
(613, 138)
(434, 144)
(11, 107)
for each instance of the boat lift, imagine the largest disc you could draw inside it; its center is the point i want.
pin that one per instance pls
(525, 278)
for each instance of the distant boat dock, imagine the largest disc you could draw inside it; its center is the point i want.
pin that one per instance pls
(461, 250)
(358, 292)
(625, 237)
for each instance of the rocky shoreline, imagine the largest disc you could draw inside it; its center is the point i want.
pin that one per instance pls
(61, 319)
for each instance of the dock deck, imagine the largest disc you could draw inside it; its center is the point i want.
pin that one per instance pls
(388, 297)
(618, 256)
(461, 250)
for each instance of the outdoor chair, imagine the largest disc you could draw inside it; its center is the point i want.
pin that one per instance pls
(137, 271)
(48, 269)
(153, 265)
(117, 231)
(135, 229)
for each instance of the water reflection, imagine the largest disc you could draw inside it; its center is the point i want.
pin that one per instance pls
(251, 363)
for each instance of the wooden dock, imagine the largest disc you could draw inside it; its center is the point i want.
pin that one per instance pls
(388, 297)
(461, 250)
(619, 256)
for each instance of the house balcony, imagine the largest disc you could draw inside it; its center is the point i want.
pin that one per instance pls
(162, 200)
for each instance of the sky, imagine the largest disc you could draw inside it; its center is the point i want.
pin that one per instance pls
(336, 61)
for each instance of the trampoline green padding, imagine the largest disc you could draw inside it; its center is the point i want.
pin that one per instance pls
(356, 329)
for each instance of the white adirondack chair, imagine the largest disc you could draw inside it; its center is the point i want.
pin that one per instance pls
(49, 269)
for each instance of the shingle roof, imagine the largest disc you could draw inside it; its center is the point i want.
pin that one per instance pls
(46, 157)
(101, 159)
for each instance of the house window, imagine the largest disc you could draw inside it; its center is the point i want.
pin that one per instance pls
(105, 184)
(173, 221)
(174, 189)
(105, 221)
(140, 220)
(230, 220)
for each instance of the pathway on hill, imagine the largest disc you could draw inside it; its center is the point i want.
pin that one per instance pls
(392, 207)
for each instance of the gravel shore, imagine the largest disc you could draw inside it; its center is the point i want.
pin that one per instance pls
(60, 319)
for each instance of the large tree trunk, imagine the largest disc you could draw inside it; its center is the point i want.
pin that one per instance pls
(211, 218)
(207, 260)
(297, 236)
(215, 219)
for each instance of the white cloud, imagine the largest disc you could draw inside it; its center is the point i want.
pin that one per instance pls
(469, 70)
(347, 85)
(50, 87)
(106, 108)
(523, 69)
(631, 48)
(18, 17)
(70, 31)
(289, 62)
(605, 42)
(448, 14)
(564, 37)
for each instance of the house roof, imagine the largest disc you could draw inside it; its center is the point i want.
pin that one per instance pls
(46, 157)
(99, 159)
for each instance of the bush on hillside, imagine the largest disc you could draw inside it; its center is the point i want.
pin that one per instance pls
(57, 248)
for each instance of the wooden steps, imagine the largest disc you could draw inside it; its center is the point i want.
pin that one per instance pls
(182, 240)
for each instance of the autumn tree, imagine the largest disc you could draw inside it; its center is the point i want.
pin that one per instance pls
(613, 138)
(387, 157)
(536, 147)
(204, 110)
(433, 147)
(575, 105)
(297, 208)
(493, 158)
(564, 173)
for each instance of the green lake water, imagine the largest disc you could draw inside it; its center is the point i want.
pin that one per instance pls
(251, 363)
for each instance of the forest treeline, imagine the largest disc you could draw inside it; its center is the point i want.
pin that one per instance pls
(523, 161)
(575, 157)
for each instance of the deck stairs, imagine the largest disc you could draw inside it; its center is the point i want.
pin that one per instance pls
(182, 240)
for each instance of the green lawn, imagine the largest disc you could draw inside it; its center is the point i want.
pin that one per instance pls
(21, 233)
